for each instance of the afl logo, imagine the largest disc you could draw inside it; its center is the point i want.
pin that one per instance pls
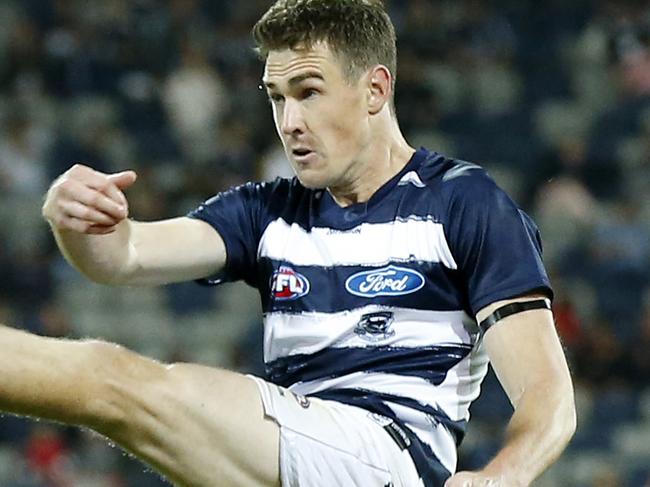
(389, 281)
(287, 284)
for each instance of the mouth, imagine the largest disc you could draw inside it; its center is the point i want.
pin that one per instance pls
(301, 154)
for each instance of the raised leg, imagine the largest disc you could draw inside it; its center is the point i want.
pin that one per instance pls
(198, 426)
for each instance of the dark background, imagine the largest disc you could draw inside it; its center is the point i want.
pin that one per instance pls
(551, 96)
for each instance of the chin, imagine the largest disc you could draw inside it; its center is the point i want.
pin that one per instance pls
(312, 183)
(313, 180)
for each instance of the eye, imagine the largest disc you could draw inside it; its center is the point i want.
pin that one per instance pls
(309, 93)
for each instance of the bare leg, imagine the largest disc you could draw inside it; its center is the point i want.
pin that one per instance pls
(198, 426)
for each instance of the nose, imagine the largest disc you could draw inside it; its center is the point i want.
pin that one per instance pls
(292, 118)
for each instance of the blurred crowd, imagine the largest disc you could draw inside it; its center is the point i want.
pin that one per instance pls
(553, 97)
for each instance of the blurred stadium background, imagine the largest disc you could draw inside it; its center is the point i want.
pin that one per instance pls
(552, 96)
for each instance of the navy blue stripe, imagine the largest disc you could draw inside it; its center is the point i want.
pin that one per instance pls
(328, 293)
(429, 363)
(402, 203)
(429, 467)
(387, 203)
(309, 208)
(379, 399)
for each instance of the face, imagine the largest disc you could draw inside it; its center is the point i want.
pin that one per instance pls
(635, 73)
(321, 117)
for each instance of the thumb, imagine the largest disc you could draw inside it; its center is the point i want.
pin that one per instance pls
(123, 179)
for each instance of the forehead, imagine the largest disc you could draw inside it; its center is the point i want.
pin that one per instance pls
(286, 64)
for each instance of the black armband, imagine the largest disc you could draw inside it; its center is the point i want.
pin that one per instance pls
(511, 309)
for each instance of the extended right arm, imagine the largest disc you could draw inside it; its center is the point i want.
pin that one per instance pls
(88, 213)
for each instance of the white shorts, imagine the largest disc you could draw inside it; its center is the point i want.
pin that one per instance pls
(329, 444)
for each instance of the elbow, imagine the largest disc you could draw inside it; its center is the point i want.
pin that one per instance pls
(116, 270)
(559, 413)
(111, 280)
(106, 277)
(564, 421)
(570, 422)
(559, 397)
(109, 275)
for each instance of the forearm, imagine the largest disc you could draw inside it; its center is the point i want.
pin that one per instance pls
(146, 253)
(539, 430)
(88, 214)
(107, 259)
(528, 359)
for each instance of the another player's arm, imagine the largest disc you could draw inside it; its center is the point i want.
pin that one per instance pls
(527, 357)
(88, 214)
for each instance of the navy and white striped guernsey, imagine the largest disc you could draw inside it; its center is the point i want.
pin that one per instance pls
(373, 304)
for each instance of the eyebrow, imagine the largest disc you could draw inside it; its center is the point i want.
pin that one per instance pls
(297, 79)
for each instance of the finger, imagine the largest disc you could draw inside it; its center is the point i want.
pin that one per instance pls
(74, 224)
(123, 179)
(103, 184)
(119, 182)
(78, 191)
(101, 229)
(98, 181)
(82, 226)
(75, 209)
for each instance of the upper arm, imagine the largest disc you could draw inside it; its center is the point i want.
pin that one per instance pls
(498, 251)
(178, 249)
(525, 352)
(495, 245)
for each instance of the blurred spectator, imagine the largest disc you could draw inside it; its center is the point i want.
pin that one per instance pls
(85, 135)
(639, 358)
(553, 97)
(195, 97)
(47, 454)
(619, 251)
(565, 211)
(609, 477)
(631, 58)
(274, 164)
(22, 155)
(601, 358)
(53, 321)
(567, 321)
(234, 160)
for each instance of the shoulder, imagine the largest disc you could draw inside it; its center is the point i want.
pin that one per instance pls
(457, 181)
(267, 193)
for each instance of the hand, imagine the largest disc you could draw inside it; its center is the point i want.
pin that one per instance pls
(477, 479)
(88, 201)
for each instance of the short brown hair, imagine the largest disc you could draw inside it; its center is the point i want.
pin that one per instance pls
(359, 32)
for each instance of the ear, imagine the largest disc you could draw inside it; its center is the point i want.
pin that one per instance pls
(380, 88)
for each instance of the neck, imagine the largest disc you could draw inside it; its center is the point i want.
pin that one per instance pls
(385, 155)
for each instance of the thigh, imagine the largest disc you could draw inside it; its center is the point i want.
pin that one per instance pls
(200, 427)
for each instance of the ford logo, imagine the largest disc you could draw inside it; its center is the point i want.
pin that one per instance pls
(389, 281)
